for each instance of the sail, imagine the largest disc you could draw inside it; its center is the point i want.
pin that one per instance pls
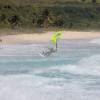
(56, 36)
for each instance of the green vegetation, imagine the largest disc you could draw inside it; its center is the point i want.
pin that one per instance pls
(46, 2)
(70, 14)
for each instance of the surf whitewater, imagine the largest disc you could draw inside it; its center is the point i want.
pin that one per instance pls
(72, 73)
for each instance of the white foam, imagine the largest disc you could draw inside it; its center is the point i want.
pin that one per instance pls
(28, 87)
(21, 88)
(34, 87)
(96, 41)
(86, 66)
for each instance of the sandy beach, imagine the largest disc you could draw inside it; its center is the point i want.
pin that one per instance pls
(24, 37)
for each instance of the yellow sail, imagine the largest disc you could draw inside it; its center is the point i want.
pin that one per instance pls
(56, 36)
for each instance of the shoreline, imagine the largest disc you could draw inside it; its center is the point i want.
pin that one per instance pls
(25, 37)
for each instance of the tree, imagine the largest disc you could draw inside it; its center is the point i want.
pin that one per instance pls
(45, 17)
(13, 20)
(83, 0)
(93, 1)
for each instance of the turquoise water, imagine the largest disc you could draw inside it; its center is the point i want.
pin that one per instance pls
(70, 74)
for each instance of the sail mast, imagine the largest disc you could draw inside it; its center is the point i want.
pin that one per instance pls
(56, 45)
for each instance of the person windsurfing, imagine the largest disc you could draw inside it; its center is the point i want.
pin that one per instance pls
(56, 36)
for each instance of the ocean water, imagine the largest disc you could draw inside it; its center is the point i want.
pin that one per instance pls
(73, 73)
